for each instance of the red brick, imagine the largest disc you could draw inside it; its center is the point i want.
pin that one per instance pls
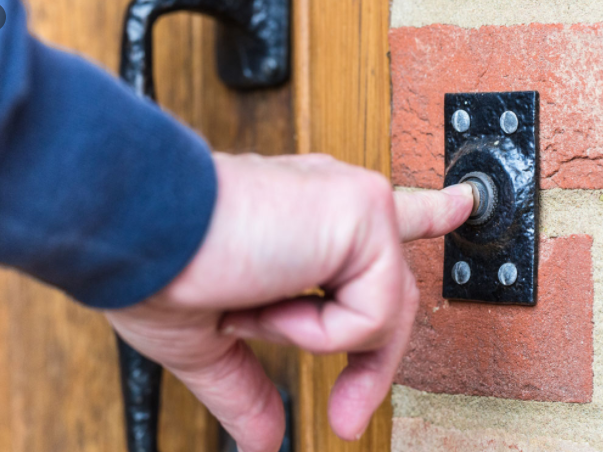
(561, 62)
(542, 353)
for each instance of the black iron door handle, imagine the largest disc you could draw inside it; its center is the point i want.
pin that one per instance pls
(252, 52)
(252, 48)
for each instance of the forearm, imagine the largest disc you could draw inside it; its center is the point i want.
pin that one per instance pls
(101, 193)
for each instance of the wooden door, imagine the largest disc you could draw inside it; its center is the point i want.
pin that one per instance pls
(59, 386)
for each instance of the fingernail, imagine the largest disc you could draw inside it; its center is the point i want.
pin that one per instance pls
(464, 190)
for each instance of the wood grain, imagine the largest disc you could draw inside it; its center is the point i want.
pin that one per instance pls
(342, 101)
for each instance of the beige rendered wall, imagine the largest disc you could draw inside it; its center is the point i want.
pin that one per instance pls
(476, 13)
(571, 203)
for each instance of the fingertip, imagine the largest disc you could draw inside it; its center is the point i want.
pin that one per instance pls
(363, 386)
(352, 403)
(262, 429)
(235, 388)
(430, 214)
(462, 190)
(347, 432)
(461, 203)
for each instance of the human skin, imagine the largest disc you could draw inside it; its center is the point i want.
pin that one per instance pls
(281, 226)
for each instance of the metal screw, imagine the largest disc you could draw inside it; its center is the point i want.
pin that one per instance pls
(509, 122)
(461, 121)
(507, 274)
(461, 272)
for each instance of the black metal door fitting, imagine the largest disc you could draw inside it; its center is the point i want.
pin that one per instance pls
(492, 143)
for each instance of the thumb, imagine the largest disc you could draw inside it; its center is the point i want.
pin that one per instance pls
(430, 214)
(238, 393)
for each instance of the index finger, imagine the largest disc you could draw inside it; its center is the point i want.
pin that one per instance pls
(430, 213)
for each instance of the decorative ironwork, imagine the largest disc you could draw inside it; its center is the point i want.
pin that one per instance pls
(500, 142)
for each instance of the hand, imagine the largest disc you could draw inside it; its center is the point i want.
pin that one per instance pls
(283, 225)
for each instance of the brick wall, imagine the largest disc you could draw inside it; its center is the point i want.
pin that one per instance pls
(489, 378)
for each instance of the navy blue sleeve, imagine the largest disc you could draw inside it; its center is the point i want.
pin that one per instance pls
(102, 194)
